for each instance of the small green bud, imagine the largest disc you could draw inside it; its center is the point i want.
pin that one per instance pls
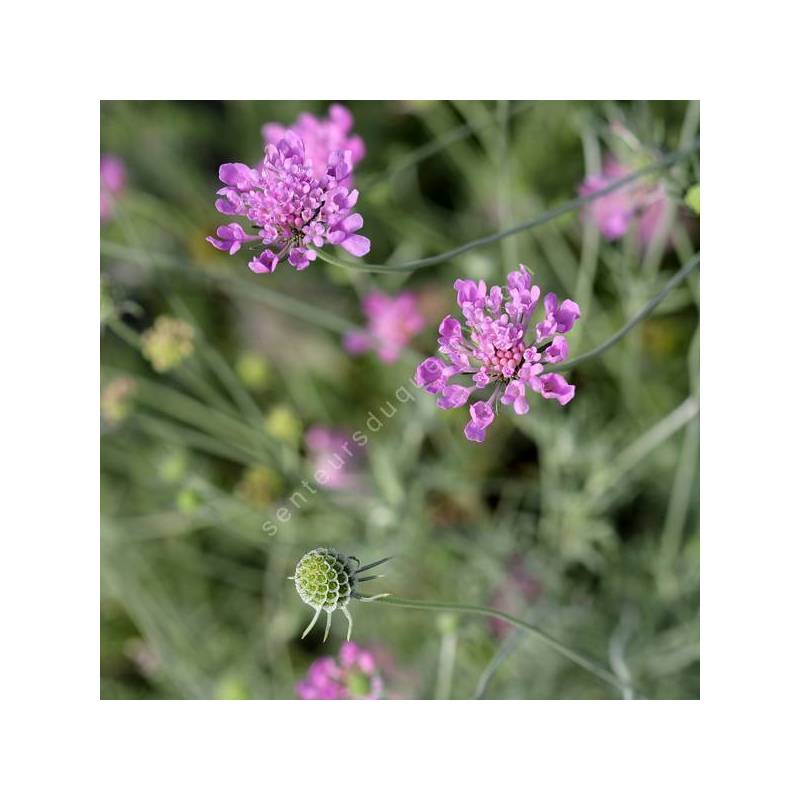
(169, 342)
(187, 501)
(253, 371)
(172, 466)
(283, 424)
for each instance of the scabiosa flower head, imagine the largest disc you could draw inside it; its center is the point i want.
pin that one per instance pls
(613, 213)
(169, 342)
(391, 323)
(326, 580)
(322, 138)
(113, 177)
(351, 676)
(498, 351)
(289, 207)
(332, 458)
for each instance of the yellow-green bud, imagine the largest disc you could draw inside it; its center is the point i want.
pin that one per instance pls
(167, 343)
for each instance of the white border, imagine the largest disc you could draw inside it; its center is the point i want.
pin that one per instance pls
(59, 59)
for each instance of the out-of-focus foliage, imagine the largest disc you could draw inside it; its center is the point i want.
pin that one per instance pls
(595, 504)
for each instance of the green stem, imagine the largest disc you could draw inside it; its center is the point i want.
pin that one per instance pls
(576, 658)
(677, 278)
(571, 205)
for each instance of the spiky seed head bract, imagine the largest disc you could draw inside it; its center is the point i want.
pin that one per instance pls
(326, 580)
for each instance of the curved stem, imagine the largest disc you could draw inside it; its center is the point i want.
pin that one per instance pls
(633, 321)
(582, 661)
(564, 208)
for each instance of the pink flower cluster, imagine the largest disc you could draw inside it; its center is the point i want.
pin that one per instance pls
(322, 138)
(613, 213)
(113, 177)
(495, 353)
(391, 324)
(351, 676)
(332, 458)
(289, 206)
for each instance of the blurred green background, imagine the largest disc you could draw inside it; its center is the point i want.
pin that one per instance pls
(582, 519)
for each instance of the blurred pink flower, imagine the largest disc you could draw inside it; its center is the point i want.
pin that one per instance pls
(613, 213)
(653, 215)
(322, 138)
(113, 177)
(391, 323)
(333, 455)
(513, 596)
(353, 675)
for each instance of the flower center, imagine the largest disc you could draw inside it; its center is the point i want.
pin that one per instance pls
(504, 362)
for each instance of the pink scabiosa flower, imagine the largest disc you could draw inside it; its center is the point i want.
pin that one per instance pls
(613, 213)
(334, 458)
(288, 207)
(391, 323)
(113, 177)
(351, 676)
(497, 352)
(322, 138)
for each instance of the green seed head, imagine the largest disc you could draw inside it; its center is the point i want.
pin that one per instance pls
(327, 580)
(324, 579)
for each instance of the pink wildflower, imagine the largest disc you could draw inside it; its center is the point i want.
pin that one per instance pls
(351, 676)
(334, 458)
(613, 213)
(495, 353)
(391, 323)
(289, 207)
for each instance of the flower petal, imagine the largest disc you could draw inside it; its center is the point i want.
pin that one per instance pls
(356, 245)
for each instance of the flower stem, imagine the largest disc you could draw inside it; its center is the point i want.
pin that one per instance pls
(571, 205)
(576, 658)
(677, 278)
